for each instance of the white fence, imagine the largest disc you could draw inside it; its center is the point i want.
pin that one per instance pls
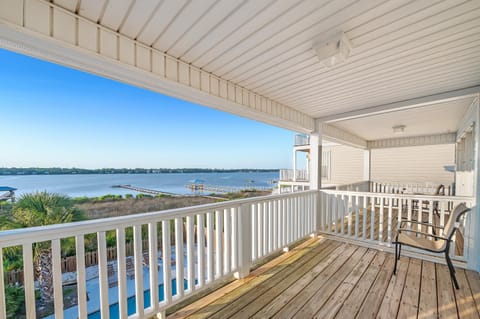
(210, 243)
(374, 217)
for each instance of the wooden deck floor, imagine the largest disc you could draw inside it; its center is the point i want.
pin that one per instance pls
(328, 279)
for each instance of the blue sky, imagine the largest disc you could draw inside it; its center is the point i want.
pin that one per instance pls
(53, 116)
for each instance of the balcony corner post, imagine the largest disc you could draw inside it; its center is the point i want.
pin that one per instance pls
(315, 162)
(473, 261)
(244, 241)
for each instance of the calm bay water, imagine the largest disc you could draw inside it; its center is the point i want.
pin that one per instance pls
(101, 184)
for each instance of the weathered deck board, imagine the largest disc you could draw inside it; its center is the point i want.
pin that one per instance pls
(411, 290)
(329, 279)
(447, 307)
(465, 304)
(473, 279)
(361, 289)
(427, 307)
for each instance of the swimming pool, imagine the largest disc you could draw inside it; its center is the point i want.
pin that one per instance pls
(131, 302)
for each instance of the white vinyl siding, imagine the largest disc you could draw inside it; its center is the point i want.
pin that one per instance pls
(346, 165)
(420, 164)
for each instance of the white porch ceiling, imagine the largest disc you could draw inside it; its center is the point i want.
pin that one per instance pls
(433, 119)
(402, 49)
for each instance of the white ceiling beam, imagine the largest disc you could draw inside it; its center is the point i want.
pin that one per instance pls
(404, 105)
(337, 135)
(435, 139)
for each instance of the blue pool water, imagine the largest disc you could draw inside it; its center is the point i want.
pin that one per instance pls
(131, 302)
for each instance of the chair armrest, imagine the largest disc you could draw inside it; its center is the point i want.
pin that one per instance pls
(423, 233)
(420, 223)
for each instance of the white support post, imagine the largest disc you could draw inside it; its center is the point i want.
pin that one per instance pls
(294, 178)
(244, 241)
(315, 172)
(315, 160)
(474, 244)
(367, 165)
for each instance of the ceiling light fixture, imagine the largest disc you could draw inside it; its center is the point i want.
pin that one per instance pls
(398, 129)
(332, 49)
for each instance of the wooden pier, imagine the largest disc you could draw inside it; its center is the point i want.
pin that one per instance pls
(144, 190)
(223, 189)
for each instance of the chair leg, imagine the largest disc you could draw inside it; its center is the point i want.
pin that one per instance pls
(399, 250)
(452, 270)
(397, 257)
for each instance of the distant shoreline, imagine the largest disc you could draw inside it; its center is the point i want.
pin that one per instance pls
(83, 171)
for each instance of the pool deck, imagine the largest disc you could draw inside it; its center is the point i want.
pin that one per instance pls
(323, 278)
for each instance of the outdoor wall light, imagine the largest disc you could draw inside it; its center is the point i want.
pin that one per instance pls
(398, 129)
(332, 49)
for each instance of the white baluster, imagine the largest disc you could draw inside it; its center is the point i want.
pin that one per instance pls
(210, 255)
(137, 257)
(227, 243)
(122, 273)
(103, 275)
(274, 224)
(190, 255)
(219, 243)
(265, 228)
(153, 262)
(201, 250)
(364, 219)
(57, 278)
(270, 226)
(179, 260)
(81, 277)
(29, 280)
(372, 218)
(390, 211)
(380, 222)
(235, 236)
(357, 215)
(167, 262)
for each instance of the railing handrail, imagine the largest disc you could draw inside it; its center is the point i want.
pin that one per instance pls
(22, 236)
(398, 195)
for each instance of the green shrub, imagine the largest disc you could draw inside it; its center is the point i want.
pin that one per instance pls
(14, 301)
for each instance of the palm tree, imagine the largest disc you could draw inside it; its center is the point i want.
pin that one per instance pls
(40, 209)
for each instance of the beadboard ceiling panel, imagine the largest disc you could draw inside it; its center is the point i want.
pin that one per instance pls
(433, 119)
(401, 49)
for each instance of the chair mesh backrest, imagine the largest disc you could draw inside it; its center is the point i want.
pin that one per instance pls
(440, 190)
(458, 211)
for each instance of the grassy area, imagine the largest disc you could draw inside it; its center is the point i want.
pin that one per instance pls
(116, 205)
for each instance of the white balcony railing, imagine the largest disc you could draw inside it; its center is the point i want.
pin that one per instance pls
(301, 175)
(373, 218)
(200, 245)
(412, 188)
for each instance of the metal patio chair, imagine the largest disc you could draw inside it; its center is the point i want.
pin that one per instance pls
(430, 242)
